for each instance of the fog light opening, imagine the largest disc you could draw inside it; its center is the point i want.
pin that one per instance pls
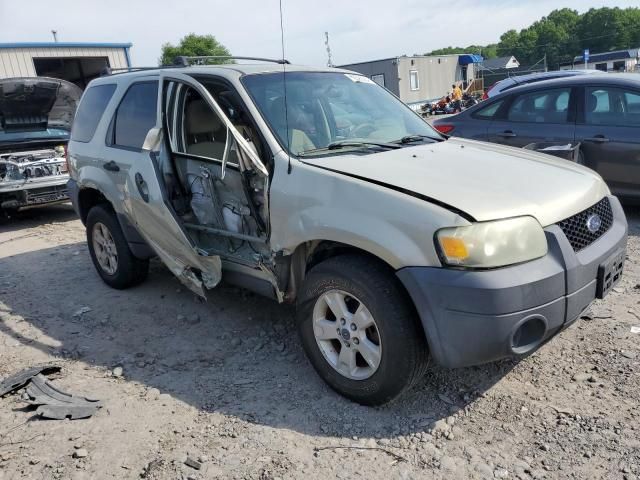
(528, 335)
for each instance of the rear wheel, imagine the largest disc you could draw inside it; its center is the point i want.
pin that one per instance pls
(360, 329)
(110, 252)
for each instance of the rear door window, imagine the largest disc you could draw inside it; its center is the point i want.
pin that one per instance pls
(545, 106)
(91, 108)
(488, 112)
(612, 106)
(136, 115)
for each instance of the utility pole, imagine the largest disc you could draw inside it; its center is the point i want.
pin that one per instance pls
(326, 42)
(55, 35)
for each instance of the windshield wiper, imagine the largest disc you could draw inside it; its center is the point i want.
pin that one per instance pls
(352, 144)
(417, 138)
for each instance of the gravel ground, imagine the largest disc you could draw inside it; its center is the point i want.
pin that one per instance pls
(224, 385)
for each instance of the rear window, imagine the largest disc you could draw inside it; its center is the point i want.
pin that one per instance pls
(136, 115)
(93, 103)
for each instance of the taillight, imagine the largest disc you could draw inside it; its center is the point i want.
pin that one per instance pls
(445, 128)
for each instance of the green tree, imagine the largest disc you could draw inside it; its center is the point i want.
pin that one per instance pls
(193, 45)
(486, 51)
(563, 34)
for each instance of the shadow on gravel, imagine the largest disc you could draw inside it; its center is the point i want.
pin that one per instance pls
(15, 221)
(237, 354)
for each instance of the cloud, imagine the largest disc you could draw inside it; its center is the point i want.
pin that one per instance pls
(359, 29)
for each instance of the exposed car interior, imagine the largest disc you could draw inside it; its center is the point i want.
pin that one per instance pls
(220, 198)
(322, 108)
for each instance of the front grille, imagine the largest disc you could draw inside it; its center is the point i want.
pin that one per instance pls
(576, 230)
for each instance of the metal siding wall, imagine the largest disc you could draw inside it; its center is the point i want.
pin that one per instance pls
(18, 62)
(435, 78)
(386, 67)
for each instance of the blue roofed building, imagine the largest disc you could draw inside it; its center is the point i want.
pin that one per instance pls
(616, 61)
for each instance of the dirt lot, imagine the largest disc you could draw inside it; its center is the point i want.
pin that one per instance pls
(226, 383)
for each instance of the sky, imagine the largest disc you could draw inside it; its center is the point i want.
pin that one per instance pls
(359, 30)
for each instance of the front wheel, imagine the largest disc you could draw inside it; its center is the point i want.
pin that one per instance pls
(360, 330)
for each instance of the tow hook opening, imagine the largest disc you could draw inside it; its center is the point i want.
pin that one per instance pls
(528, 335)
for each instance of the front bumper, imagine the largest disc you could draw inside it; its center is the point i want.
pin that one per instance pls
(474, 317)
(33, 193)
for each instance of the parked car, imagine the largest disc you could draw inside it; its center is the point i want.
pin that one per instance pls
(516, 81)
(319, 187)
(601, 112)
(35, 120)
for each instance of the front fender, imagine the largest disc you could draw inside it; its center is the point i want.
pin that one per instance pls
(312, 203)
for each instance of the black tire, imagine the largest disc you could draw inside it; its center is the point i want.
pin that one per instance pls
(130, 270)
(404, 350)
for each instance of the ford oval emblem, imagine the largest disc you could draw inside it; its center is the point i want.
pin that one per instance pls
(594, 222)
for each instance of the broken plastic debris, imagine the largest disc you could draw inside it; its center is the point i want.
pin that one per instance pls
(20, 379)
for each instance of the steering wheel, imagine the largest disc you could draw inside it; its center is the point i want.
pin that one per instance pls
(363, 130)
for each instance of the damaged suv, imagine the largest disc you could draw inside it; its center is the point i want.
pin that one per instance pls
(35, 121)
(319, 187)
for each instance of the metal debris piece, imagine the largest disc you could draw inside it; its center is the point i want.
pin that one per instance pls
(190, 462)
(20, 379)
(57, 404)
(60, 412)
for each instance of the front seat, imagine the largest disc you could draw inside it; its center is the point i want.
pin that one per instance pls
(298, 140)
(206, 134)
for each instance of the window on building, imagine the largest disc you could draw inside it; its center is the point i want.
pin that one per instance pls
(601, 66)
(379, 79)
(90, 111)
(414, 80)
(136, 115)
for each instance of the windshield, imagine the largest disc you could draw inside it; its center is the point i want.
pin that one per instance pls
(326, 111)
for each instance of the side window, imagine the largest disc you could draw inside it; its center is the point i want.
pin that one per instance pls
(546, 106)
(198, 130)
(488, 112)
(414, 80)
(612, 106)
(91, 108)
(135, 115)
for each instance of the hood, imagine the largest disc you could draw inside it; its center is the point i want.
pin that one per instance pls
(484, 180)
(37, 104)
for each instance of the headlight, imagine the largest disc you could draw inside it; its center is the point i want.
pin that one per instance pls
(492, 244)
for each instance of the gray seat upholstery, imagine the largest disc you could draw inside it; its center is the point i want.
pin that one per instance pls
(206, 134)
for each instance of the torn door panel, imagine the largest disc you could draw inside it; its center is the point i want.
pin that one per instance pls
(211, 268)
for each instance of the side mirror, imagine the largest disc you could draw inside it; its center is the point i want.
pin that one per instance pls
(152, 140)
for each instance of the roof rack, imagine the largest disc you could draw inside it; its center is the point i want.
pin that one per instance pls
(115, 71)
(183, 61)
